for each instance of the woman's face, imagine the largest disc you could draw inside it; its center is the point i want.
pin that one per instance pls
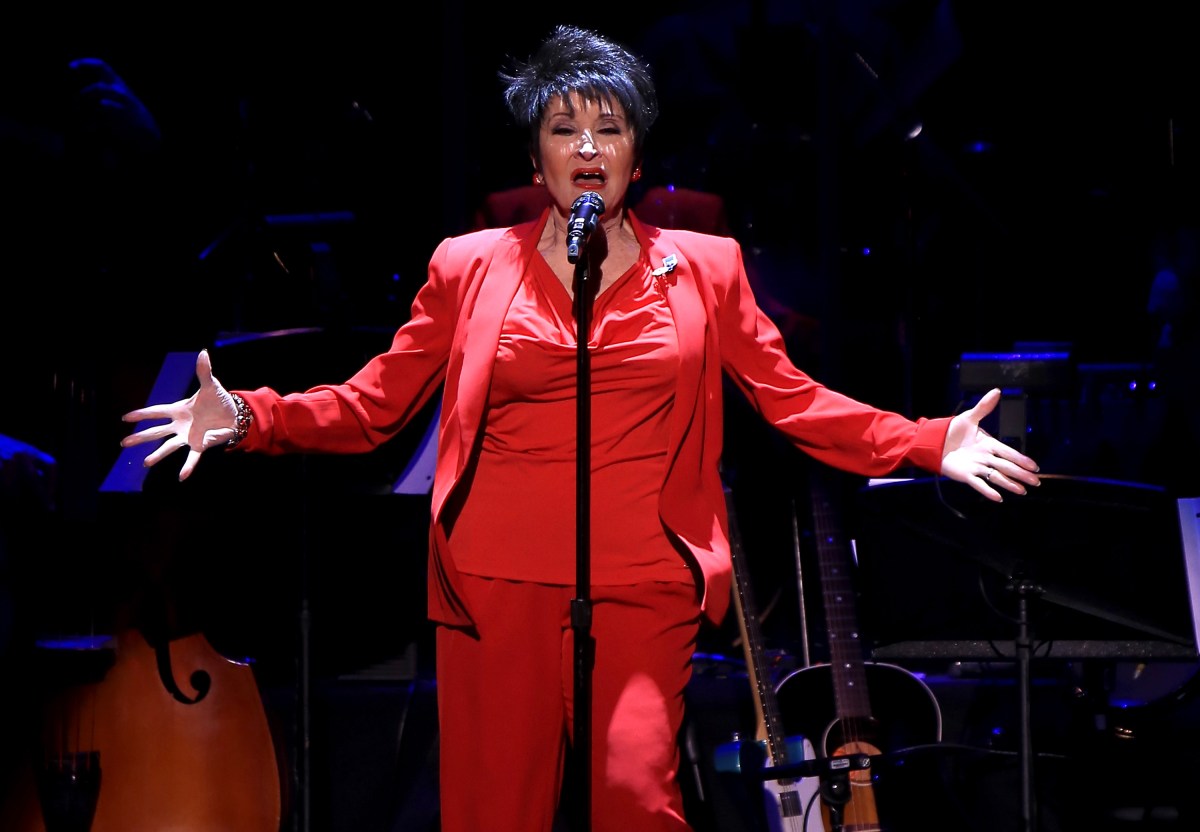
(586, 146)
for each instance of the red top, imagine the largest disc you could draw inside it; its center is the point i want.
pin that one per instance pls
(518, 518)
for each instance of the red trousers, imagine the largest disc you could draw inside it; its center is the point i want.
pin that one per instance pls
(505, 706)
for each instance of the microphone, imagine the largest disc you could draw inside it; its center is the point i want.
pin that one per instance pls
(585, 212)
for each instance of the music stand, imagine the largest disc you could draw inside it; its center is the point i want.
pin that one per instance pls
(1086, 567)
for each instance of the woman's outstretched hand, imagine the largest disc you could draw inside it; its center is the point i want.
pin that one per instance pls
(206, 420)
(973, 456)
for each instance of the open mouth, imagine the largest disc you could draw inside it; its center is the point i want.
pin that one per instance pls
(589, 178)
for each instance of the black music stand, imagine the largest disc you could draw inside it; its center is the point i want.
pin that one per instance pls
(1078, 568)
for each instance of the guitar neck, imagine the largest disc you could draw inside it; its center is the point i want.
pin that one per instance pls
(838, 592)
(770, 724)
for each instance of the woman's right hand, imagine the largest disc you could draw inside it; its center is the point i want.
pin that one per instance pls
(206, 420)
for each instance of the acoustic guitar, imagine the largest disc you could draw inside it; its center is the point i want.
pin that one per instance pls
(850, 705)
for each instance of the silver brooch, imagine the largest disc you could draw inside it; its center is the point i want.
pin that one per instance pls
(669, 263)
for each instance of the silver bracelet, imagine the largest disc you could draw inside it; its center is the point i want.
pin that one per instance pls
(241, 422)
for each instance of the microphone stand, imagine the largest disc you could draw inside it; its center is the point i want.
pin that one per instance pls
(581, 606)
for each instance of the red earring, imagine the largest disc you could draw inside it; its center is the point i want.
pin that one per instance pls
(637, 174)
(538, 179)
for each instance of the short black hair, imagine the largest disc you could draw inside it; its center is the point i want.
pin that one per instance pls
(575, 60)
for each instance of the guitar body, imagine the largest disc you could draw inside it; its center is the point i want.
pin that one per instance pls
(787, 801)
(903, 713)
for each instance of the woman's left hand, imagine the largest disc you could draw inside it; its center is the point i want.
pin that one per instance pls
(974, 456)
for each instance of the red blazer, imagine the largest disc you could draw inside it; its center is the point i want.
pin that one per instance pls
(451, 339)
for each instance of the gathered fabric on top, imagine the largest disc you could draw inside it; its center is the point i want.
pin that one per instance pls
(518, 521)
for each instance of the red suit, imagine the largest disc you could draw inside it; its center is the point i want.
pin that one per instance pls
(452, 338)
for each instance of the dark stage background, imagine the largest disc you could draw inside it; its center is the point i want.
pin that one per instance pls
(933, 197)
